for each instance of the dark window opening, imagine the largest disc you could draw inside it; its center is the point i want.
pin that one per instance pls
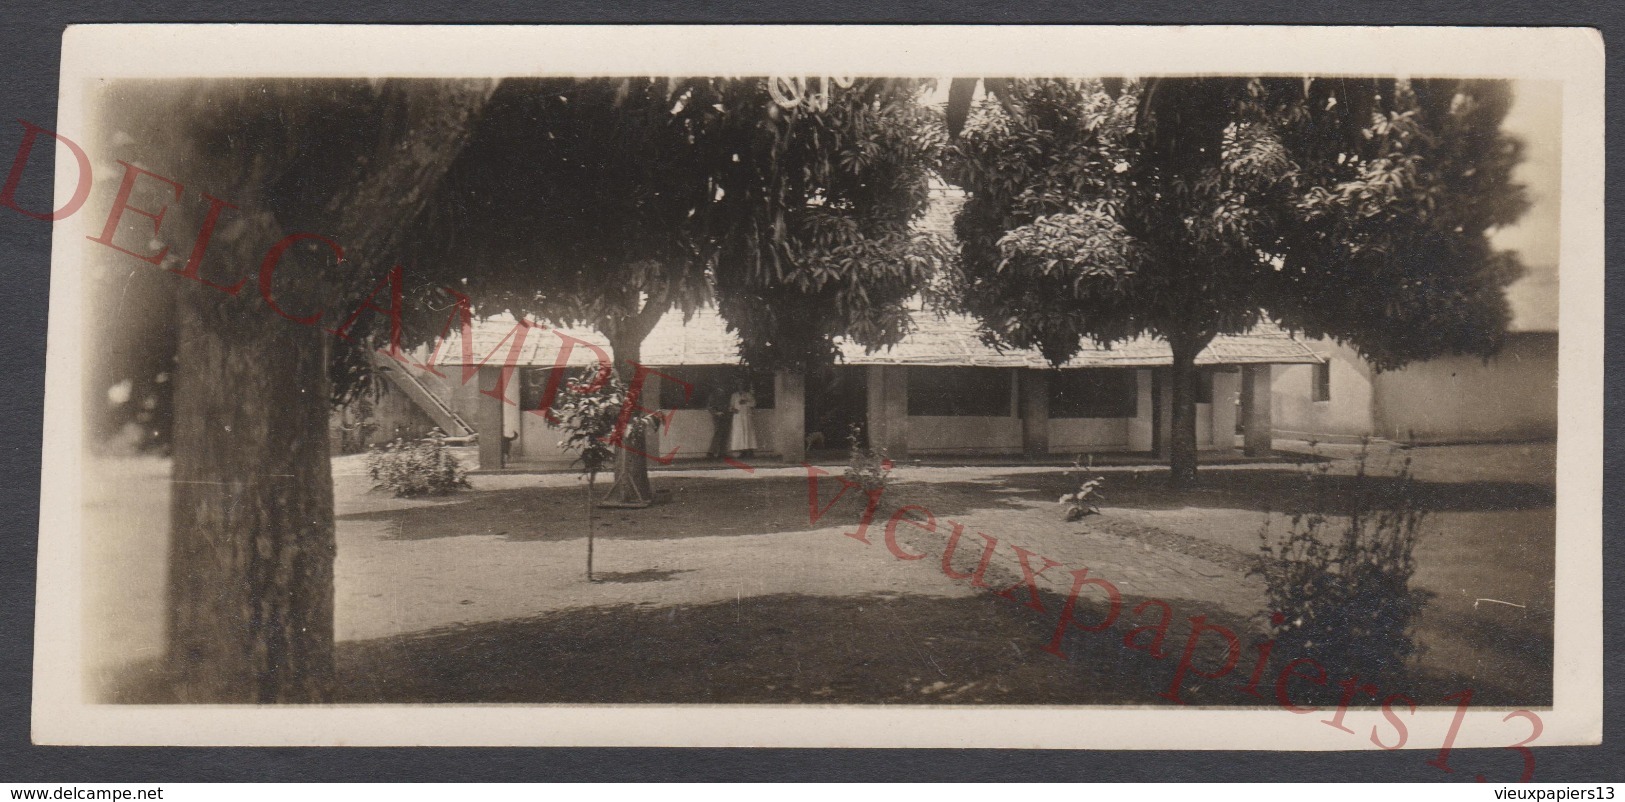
(1093, 393)
(1204, 386)
(837, 406)
(1323, 381)
(712, 384)
(533, 385)
(975, 392)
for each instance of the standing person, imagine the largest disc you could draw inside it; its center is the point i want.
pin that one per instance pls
(743, 439)
(720, 402)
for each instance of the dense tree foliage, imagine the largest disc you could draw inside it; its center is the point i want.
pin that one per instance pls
(1188, 208)
(611, 202)
(598, 202)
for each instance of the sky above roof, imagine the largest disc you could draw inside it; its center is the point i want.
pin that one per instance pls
(1536, 118)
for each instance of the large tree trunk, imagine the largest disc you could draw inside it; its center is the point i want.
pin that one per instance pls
(631, 487)
(1182, 426)
(252, 534)
(252, 546)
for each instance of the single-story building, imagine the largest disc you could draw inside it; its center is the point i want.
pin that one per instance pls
(943, 392)
(939, 392)
(1460, 399)
(1511, 396)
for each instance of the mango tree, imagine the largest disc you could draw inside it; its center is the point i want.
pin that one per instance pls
(1188, 208)
(609, 203)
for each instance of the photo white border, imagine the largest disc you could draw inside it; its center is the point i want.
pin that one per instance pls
(1572, 56)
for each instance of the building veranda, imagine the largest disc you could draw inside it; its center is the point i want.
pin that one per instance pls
(941, 392)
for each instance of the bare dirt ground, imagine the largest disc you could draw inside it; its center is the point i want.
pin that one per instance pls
(728, 592)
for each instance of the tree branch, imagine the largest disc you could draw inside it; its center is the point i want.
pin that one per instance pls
(654, 308)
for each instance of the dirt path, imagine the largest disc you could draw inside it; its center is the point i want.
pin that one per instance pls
(731, 579)
(729, 592)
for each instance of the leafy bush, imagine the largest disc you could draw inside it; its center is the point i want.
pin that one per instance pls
(416, 468)
(588, 410)
(1338, 583)
(868, 468)
(1085, 500)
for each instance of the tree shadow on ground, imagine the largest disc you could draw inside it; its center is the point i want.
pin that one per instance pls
(738, 505)
(865, 649)
(695, 507)
(982, 649)
(632, 577)
(877, 648)
(869, 649)
(1520, 637)
(1284, 490)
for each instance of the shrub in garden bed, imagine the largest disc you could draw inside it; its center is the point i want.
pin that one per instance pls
(868, 468)
(1084, 501)
(1339, 586)
(416, 468)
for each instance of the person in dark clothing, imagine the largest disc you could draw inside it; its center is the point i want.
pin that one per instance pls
(719, 401)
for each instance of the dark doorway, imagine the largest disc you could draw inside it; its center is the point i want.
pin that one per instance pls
(1159, 434)
(837, 407)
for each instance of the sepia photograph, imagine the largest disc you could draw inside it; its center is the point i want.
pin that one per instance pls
(487, 388)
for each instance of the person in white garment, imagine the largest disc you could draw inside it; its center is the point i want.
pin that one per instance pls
(742, 440)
